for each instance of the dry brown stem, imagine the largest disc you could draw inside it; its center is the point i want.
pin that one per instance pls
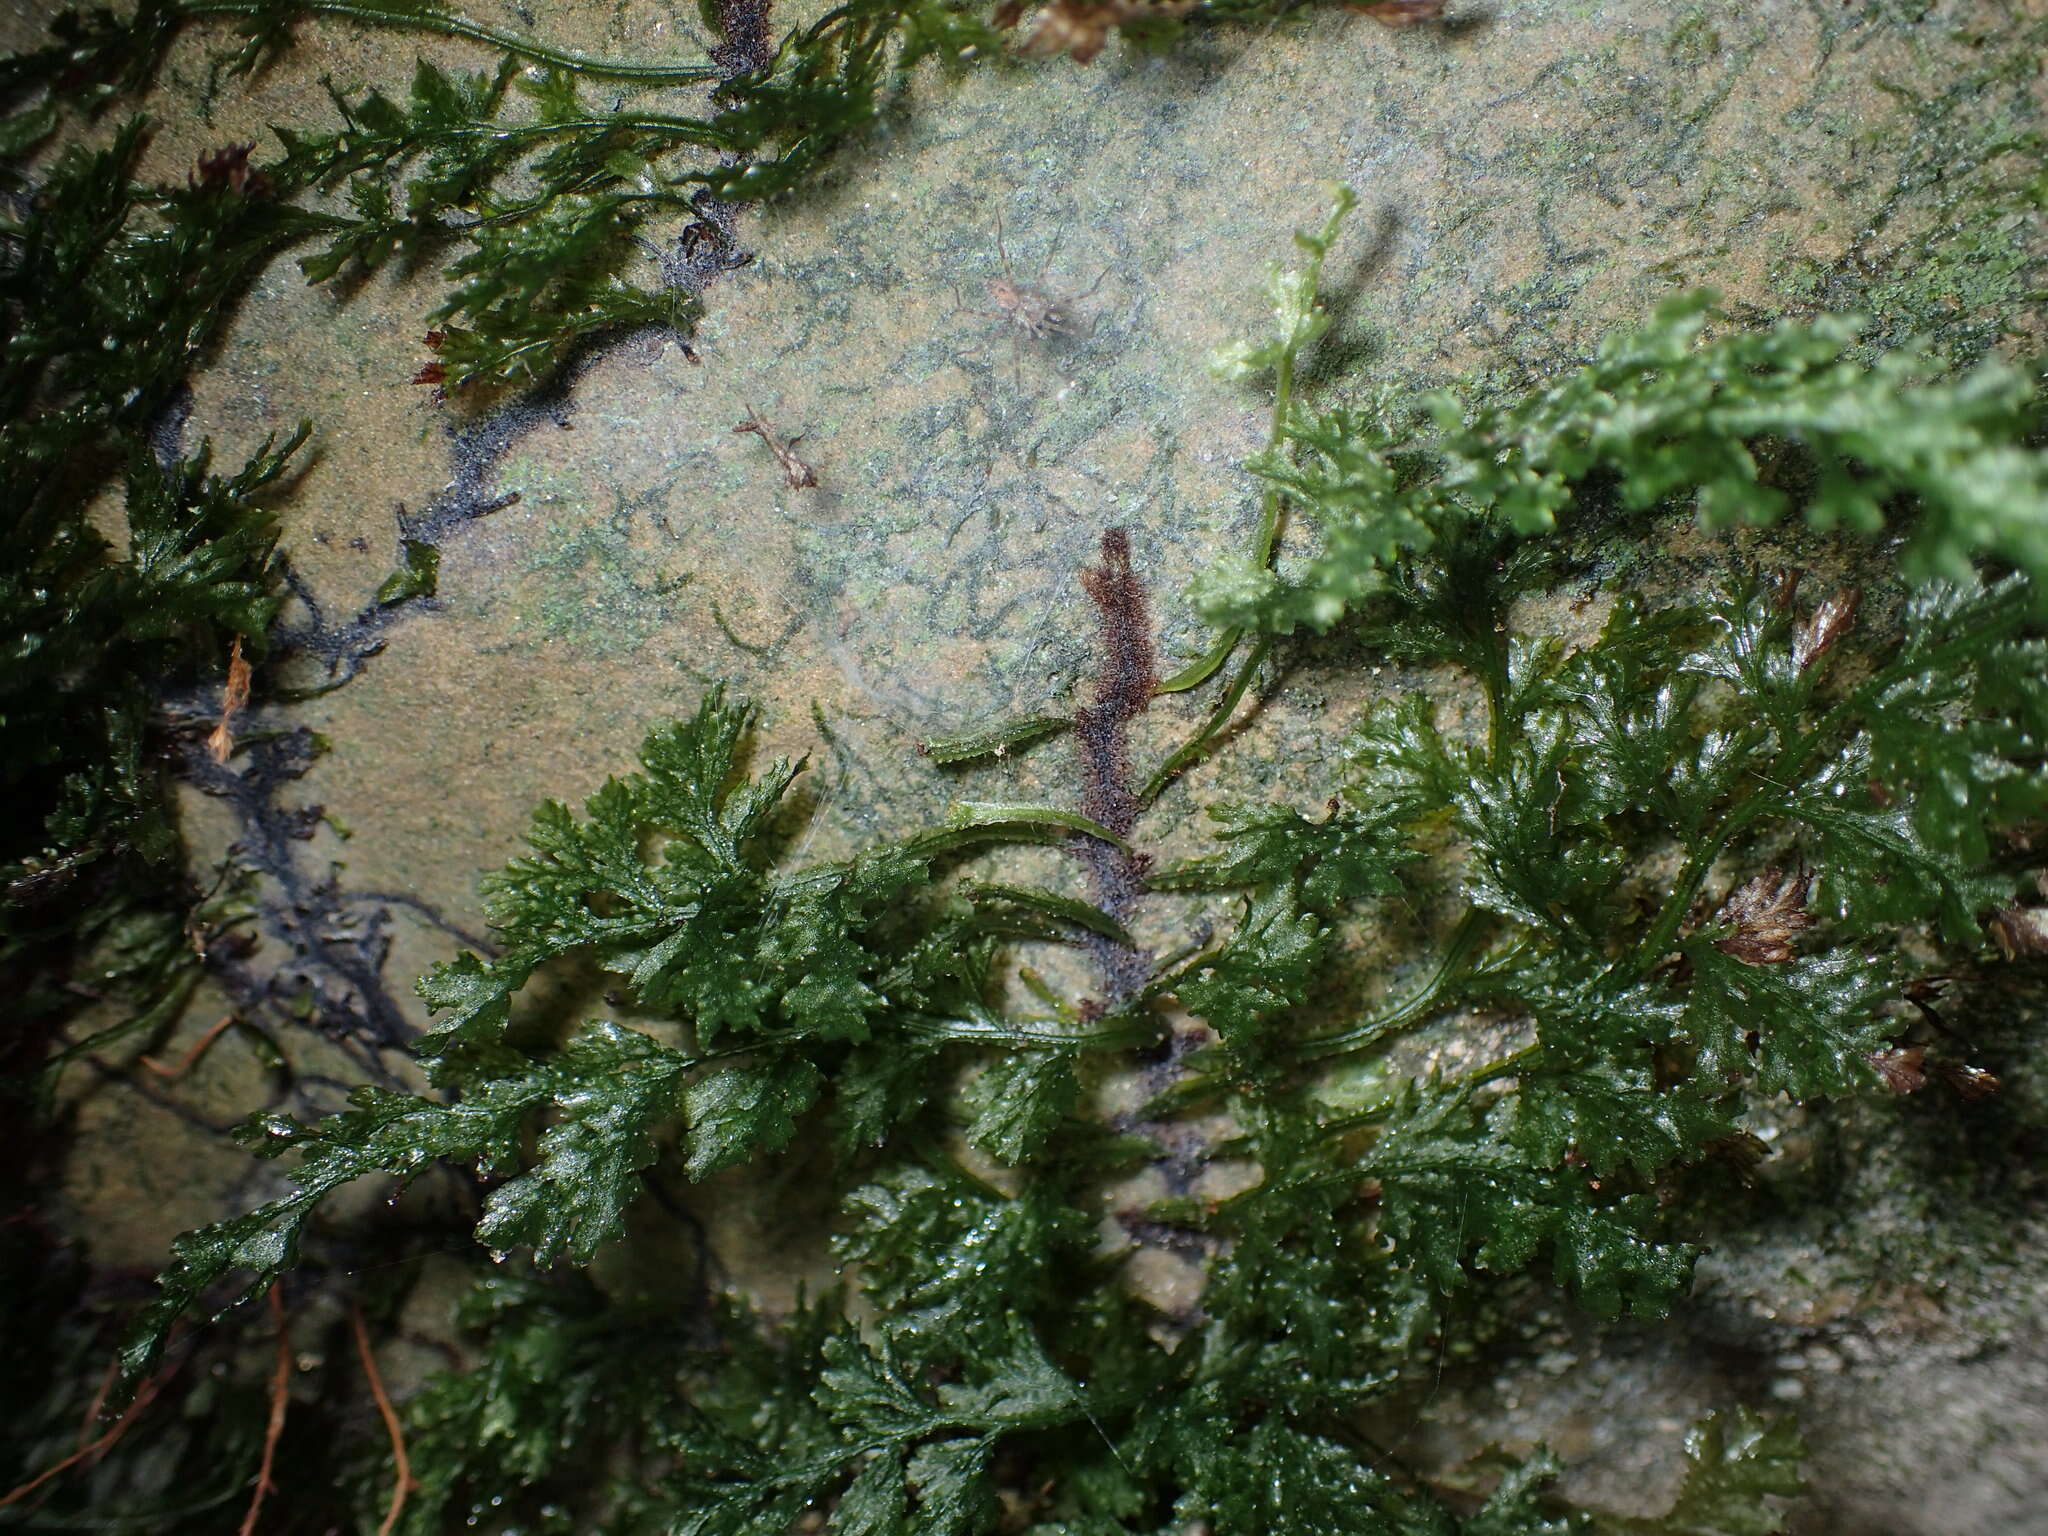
(280, 1399)
(98, 1447)
(92, 1412)
(391, 1426)
(1399, 13)
(221, 741)
(185, 1062)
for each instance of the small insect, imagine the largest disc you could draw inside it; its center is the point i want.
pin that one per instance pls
(796, 474)
(1026, 309)
(723, 257)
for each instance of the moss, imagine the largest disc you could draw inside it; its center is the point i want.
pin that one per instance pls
(1950, 251)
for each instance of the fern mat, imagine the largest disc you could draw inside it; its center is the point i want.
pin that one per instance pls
(1547, 878)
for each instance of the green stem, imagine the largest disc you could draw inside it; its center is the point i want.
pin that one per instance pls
(1270, 503)
(1456, 1091)
(449, 24)
(977, 823)
(1197, 746)
(166, 1008)
(1183, 965)
(512, 213)
(960, 1032)
(698, 130)
(1418, 1005)
(1203, 667)
(1656, 943)
(1664, 931)
(1037, 986)
(971, 1032)
(1514, 1064)
(1494, 676)
(1206, 665)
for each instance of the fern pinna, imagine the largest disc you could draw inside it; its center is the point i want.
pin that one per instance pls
(1658, 853)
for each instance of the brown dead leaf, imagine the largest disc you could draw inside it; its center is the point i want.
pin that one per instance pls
(2021, 932)
(1829, 622)
(221, 740)
(1765, 913)
(1080, 28)
(1904, 1070)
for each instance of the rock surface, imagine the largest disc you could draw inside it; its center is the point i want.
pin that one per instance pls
(1532, 176)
